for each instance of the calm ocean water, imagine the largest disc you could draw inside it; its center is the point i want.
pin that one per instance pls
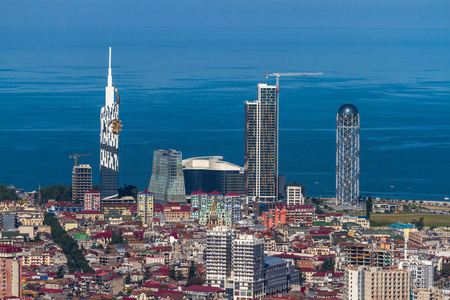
(184, 88)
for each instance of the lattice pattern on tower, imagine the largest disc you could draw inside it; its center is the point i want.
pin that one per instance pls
(347, 155)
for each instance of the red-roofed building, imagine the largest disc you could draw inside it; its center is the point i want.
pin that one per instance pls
(175, 212)
(92, 200)
(11, 270)
(94, 215)
(201, 292)
(289, 214)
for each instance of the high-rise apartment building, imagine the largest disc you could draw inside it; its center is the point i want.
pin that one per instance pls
(422, 272)
(211, 173)
(81, 181)
(261, 145)
(11, 270)
(233, 204)
(347, 155)
(248, 267)
(235, 262)
(294, 195)
(92, 200)
(145, 206)
(371, 283)
(218, 256)
(167, 182)
(109, 139)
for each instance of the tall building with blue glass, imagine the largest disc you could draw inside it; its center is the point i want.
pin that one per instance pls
(167, 181)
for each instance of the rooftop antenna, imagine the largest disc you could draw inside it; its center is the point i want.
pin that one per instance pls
(109, 69)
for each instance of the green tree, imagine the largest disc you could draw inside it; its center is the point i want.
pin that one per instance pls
(192, 270)
(419, 224)
(7, 193)
(75, 258)
(368, 207)
(195, 281)
(172, 274)
(179, 275)
(147, 273)
(328, 265)
(128, 278)
(60, 272)
(57, 192)
(128, 190)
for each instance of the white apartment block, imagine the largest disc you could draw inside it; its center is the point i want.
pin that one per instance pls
(218, 255)
(248, 267)
(294, 195)
(422, 272)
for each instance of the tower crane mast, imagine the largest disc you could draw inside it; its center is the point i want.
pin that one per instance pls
(277, 76)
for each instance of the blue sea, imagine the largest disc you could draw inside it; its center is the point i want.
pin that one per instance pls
(184, 88)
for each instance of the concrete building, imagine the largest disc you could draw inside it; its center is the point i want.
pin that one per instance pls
(167, 181)
(370, 283)
(289, 214)
(109, 139)
(11, 270)
(92, 200)
(145, 206)
(294, 195)
(211, 173)
(218, 256)
(428, 294)
(248, 267)
(261, 145)
(81, 181)
(422, 272)
(347, 155)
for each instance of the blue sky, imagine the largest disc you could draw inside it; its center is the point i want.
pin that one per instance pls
(296, 13)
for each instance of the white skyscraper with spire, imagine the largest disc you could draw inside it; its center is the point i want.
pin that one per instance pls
(109, 139)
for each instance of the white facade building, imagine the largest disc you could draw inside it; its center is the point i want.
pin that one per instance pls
(248, 267)
(294, 195)
(218, 255)
(422, 272)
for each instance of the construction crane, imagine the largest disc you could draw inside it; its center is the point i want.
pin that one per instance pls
(277, 76)
(75, 156)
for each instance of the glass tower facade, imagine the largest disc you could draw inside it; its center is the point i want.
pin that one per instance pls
(261, 144)
(167, 182)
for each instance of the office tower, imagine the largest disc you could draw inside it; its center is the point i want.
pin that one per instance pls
(372, 283)
(92, 200)
(261, 145)
(81, 181)
(218, 255)
(294, 195)
(422, 272)
(248, 267)
(145, 206)
(11, 270)
(109, 139)
(347, 155)
(167, 182)
(211, 173)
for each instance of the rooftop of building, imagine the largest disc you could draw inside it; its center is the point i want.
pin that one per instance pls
(213, 163)
(348, 109)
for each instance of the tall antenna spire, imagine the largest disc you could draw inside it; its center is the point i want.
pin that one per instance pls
(109, 69)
